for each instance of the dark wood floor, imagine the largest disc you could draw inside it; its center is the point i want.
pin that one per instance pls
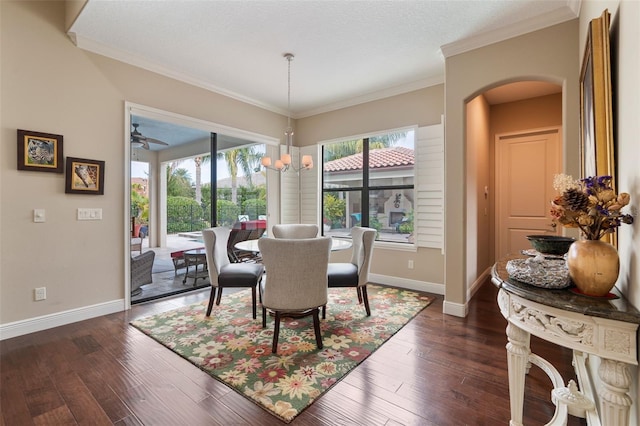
(438, 370)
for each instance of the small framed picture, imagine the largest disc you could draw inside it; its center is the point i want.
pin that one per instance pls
(40, 152)
(84, 176)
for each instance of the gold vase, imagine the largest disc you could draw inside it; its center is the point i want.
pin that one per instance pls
(593, 266)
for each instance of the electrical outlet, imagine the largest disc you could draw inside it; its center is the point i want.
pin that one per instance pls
(410, 264)
(40, 293)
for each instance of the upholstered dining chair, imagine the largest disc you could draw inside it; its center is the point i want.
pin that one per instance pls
(296, 280)
(354, 273)
(223, 273)
(295, 230)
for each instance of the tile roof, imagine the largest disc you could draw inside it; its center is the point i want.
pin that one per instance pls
(378, 159)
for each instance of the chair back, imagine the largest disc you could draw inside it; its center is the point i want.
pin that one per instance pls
(295, 230)
(215, 245)
(296, 272)
(362, 244)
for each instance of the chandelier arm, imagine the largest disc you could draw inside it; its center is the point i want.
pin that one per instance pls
(306, 159)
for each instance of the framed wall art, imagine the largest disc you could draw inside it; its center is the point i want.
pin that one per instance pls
(596, 122)
(40, 152)
(84, 176)
(596, 117)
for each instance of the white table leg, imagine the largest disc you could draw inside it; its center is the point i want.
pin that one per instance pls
(615, 402)
(517, 361)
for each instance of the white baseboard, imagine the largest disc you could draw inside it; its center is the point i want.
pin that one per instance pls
(448, 308)
(475, 286)
(407, 283)
(31, 325)
(455, 309)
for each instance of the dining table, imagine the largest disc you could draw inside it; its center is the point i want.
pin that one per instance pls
(252, 245)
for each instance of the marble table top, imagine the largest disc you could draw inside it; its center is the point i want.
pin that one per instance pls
(616, 309)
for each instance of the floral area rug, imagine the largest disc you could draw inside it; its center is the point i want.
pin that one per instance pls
(234, 348)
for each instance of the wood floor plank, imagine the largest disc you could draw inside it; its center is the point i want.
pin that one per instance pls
(367, 399)
(175, 400)
(15, 410)
(79, 400)
(108, 399)
(43, 399)
(58, 416)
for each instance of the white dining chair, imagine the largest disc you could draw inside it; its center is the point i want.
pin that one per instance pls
(295, 230)
(296, 280)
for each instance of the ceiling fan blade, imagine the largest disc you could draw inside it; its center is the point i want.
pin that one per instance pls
(138, 137)
(152, 140)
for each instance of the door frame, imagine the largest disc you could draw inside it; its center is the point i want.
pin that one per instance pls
(183, 120)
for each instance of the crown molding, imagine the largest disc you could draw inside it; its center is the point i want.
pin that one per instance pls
(568, 12)
(381, 94)
(128, 58)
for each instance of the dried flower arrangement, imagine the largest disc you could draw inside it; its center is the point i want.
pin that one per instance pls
(589, 204)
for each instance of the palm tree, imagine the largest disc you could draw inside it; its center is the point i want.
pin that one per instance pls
(178, 182)
(199, 161)
(247, 159)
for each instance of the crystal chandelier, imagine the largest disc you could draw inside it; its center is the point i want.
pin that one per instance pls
(284, 163)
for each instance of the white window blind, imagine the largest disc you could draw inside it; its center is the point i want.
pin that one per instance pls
(430, 186)
(289, 191)
(309, 186)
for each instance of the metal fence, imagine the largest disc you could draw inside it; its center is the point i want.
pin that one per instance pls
(187, 219)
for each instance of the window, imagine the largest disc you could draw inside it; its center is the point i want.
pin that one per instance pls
(241, 188)
(370, 182)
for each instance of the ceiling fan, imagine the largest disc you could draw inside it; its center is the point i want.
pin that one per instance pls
(139, 140)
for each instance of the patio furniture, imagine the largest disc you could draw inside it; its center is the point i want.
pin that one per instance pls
(296, 282)
(251, 224)
(141, 269)
(355, 273)
(177, 257)
(237, 255)
(137, 238)
(295, 230)
(195, 258)
(223, 273)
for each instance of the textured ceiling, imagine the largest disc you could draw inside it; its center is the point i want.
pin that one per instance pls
(346, 52)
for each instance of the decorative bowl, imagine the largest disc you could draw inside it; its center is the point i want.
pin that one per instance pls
(550, 244)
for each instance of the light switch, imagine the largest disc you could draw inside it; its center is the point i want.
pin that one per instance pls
(89, 214)
(39, 215)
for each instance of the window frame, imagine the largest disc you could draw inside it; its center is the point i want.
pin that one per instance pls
(365, 189)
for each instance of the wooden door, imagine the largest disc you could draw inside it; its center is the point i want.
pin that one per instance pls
(526, 164)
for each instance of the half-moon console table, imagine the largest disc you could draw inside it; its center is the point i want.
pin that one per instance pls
(606, 328)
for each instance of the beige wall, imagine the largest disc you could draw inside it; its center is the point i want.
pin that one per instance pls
(534, 113)
(477, 211)
(49, 85)
(540, 55)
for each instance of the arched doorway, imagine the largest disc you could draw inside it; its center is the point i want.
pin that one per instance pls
(510, 108)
